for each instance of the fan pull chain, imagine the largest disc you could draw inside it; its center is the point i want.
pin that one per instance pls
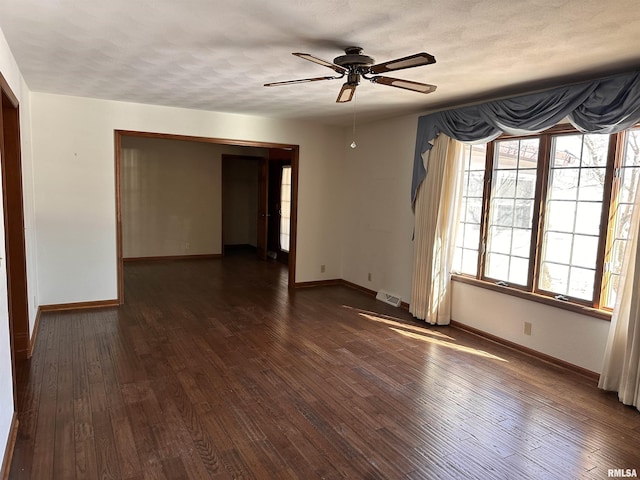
(355, 99)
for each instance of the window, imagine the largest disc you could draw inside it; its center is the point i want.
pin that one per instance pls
(625, 187)
(285, 209)
(550, 213)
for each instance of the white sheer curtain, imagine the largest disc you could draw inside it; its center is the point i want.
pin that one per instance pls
(621, 369)
(436, 214)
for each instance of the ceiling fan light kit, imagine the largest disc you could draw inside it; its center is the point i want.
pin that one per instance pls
(355, 65)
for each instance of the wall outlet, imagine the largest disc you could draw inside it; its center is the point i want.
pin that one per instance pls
(369, 276)
(187, 245)
(322, 268)
(527, 328)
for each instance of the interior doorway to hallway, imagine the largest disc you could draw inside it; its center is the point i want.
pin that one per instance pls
(257, 204)
(272, 153)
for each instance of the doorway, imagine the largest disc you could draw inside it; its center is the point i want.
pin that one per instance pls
(292, 150)
(240, 205)
(257, 203)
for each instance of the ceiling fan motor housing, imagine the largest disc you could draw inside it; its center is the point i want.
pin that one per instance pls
(354, 60)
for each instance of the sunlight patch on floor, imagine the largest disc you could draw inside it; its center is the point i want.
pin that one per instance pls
(394, 321)
(405, 326)
(453, 346)
(421, 333)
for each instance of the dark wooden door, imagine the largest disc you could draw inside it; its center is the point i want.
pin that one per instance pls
(263, 204)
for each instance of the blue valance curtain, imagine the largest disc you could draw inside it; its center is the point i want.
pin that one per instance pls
(607, 105)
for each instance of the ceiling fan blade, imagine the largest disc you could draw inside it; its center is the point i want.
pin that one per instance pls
(346, 93)
(319, 61)
(406, 84)
(302, 80)
(406, 62)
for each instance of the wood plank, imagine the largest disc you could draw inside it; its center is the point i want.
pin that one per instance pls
(43, 454)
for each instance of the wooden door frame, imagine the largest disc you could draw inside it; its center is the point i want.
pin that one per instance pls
(13, 206)
(295, 150)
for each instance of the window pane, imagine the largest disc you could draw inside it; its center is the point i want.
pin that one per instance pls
(521, 242)
(596, 150)
(566, 152)
(528, 153)
(628, 184)
(581, 283)
(564, 184)
(623, 221)
(507, 155)
(498, 266)
(286, 193)
(470, 262)
(632, 148)
(523, 213)
(471, 236)
(554, 278)
(500, 239)
(475, 184)
(611, 291)
(560, 216)
(588, 217)
(557, 247)
(502, 212)
(478, 154)
(504, 184)
(592, 184)
(519, 270)
(616, 259)
(526, 187)
(473, 213)
(585, 251)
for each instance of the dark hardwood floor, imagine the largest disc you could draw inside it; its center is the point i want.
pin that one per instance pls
(213, 369)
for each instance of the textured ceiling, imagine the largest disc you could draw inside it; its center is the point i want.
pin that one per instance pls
(216, 55)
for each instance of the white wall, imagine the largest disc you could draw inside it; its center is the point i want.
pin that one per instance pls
(73, 148)
(378, 225)
(12, 75)
(569, 336)
(171, 194)
(377, 238)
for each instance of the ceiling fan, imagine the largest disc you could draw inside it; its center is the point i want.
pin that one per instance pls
(355, 65)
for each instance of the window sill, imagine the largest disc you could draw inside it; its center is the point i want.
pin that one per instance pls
(534, 297)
